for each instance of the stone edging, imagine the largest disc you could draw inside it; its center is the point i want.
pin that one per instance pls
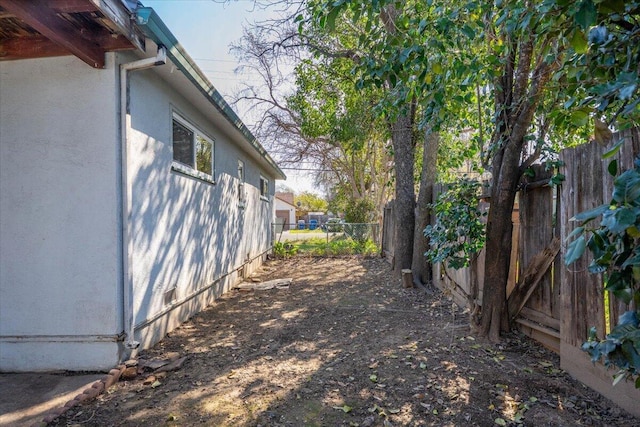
(90, 393)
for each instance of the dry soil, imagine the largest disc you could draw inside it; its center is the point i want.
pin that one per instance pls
(344, 345)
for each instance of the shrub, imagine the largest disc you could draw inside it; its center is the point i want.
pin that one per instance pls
(360, 211)
(459, 232)
(342, 245)
(284, 250)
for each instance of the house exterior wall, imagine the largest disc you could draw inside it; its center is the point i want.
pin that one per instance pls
(60, 291)
(190, 237)
(62, 298)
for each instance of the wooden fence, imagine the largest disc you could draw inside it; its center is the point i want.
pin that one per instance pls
(565, 302)
(388, 238)
(583, 303)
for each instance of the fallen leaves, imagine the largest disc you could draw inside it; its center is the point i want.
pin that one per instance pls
(263, 366)
(500, 422)
(344, 408)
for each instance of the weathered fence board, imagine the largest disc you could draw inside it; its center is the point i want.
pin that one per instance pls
(537, 213)
(583, 301)
(532, 278)
(388, 244)
(587, 185)
(628, 152)
(536, 231)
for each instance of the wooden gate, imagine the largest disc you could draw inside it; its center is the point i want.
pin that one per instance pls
(539, 286)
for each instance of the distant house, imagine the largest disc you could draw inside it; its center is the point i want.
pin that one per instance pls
(285, 210)
(131, 195)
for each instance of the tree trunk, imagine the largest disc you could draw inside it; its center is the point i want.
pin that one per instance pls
(506, 174)
(419, 265)
(404, 153)
(498, 244)
(518, 92)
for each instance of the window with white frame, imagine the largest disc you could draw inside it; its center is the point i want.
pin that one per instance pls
(264, 188)
(241, 192)
(192, 150)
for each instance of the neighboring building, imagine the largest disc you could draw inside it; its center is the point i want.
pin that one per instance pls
(285, 210)
(286, 197)
(131, 195)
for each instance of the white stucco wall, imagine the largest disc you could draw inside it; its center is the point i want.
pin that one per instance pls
(188, 234)
(61, 278)
(59, 249)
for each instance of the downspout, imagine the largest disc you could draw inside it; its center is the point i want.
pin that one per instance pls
(127, 226)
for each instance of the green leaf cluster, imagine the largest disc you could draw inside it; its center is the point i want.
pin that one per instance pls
(447, 56)
(459, 231)
(310, 202)
(601, 73)
(360, 211)
(620, 349)
(604, 75)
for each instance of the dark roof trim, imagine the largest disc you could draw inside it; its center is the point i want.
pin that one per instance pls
(152, 26)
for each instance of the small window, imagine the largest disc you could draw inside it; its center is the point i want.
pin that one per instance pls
(241, 192)
(264, 188)
(192, 150)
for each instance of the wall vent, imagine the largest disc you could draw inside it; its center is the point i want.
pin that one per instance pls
(170, 296)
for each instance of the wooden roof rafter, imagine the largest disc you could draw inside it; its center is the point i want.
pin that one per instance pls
(38, 15)
(62, 6)
(84, 28)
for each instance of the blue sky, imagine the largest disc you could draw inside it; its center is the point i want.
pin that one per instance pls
(206, 28)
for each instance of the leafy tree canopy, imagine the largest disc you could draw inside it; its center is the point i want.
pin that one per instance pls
(310, 202)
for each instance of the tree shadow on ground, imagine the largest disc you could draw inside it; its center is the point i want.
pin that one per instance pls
(347, 346)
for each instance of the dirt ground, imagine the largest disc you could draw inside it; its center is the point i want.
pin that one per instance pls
(345, 345)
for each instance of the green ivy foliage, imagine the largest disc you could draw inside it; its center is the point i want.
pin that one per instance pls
(459, 232)
(620, 349)
(615, 246)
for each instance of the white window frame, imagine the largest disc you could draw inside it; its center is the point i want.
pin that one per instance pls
(187, 169)
(263, 187)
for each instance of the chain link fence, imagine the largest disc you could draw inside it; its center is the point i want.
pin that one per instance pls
(329, 239)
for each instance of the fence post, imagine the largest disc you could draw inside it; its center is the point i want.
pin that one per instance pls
(407, 278)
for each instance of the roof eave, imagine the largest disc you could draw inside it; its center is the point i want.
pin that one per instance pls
(155, 29)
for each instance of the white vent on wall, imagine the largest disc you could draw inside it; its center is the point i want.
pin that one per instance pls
(170, 296)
